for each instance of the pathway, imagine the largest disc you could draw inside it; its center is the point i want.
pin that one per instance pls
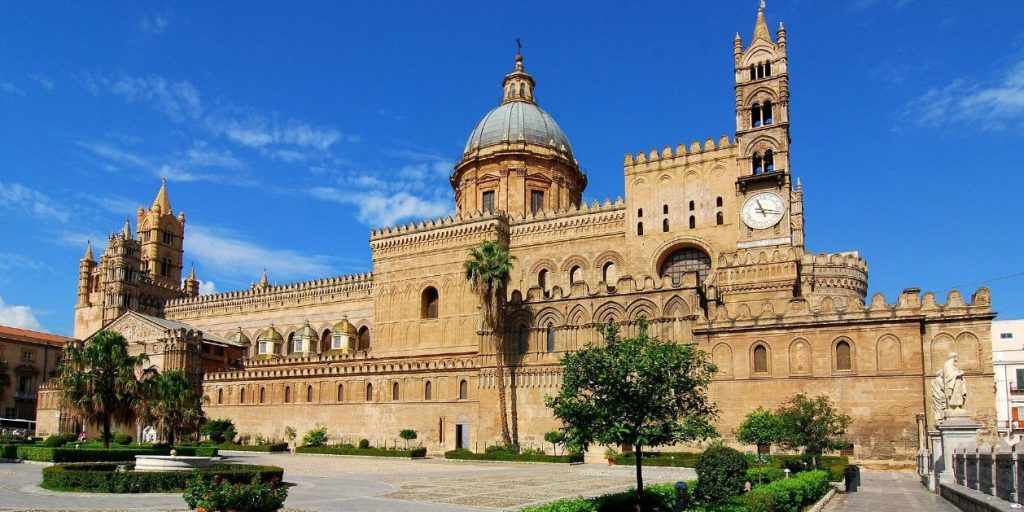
(889, 491)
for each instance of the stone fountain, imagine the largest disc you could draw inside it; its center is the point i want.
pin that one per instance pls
(170, 462)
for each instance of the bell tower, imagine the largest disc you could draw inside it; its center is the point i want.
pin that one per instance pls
(762, 137)
(162, 236)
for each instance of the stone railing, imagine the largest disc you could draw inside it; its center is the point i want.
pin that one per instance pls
(997, 471)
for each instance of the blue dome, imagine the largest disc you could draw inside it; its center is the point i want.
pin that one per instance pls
(518, 120)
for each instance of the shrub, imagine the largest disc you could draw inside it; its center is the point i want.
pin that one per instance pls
(509, 449)
(58, 440)
(316, 437)
(721, 473)
(670, 459)
(220, 495)
(657, 498)
(789, 494)
(364, 443)
(219, 431)
(289, 433)
(122, 438)
(764, 475)
(8, 451)
(372, 452)
(271, 448)
(44, 454)
(463, 454)
(105, 477)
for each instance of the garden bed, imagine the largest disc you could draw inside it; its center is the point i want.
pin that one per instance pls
(121, 478)
(795, 463)
(268, 448)
(513, 457)
(365, 452)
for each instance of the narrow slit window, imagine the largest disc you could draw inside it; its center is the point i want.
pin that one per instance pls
(693, 222)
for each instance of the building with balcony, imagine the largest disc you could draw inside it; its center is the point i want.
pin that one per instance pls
(1008, 367)
(27, 358)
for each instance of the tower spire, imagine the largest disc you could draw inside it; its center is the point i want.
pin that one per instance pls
(162, 200)
(126, 231)
(518, 85)
(88, 251)
(761, 26)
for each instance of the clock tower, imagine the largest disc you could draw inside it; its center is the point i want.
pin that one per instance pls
(771, 211)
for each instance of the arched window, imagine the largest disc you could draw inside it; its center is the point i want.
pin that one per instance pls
(542, 279)
(693, 222)
(756, 164)
(767, 69)
(664, 225)
(341, 392)
(692, 205)
(522, 90)
(369, 392)
(220, 396)
(551, 337)
(755, 115)
(753, 74)
(517, 297)
(639, 213)
(719, 219)
(664, 209)
(769, 161)
(575, 275)
(241, 396)
(364, 338)
(524, 339)
(291, 343)
(609, 273)
(463, 389)
(844, 361)
(766, 112)
(287, 394)
(760, 359)
(640, 228)
(309, 394)
(394, 392)
(687, 259)
(325, 340)
(263, 395)
(718, 201)
(428, 392)
(429, 303)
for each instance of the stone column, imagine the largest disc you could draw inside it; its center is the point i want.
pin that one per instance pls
(956, 431)
(986, 465)
(1004, 471)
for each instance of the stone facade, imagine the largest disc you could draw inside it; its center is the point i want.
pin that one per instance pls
(708, 245)
(30, 357)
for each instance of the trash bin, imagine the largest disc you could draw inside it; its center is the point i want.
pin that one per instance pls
(682, 497)
(851, 477)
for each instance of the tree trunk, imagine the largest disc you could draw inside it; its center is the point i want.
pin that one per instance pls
(639, 451)
(514, 406)
(502, 405)
(106, 432)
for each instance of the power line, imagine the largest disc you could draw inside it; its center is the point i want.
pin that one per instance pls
(1000, 278)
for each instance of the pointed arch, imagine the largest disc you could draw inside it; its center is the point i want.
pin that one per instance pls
(760, 359)
(800, 357)
(941, 346)
(890, 353)
(609, 312)
(644, 307)
(721, 355)
(578, 316)
(676, 307)
(843, 355)
(968, 351)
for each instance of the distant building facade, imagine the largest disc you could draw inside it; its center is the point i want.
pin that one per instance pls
(30, 357)
(1008, 367)
(708, 245)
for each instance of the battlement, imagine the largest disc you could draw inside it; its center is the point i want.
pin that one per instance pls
(681, 151)
(354, 284)
(843, 259)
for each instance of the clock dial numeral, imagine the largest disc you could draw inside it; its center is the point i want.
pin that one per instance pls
(763, 210)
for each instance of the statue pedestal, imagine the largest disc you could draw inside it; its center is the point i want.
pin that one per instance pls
(958, 430)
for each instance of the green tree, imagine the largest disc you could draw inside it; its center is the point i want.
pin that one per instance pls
(219, 431)
(172, 404)
(488, 270)
(556, 438)
(407, 434)
(812, 424)
(99, 384)
(638, 391)
(760, 427)
(316, 437)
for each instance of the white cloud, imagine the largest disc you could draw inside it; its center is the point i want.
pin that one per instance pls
(17, 197)
(10, 261)
(79, 239)
(11, 88)
(193, 164)
(207, 288)
(44, 81)
(378, 209)
(21, 317)
(154, 23)
(224, 251)
(178, 100)
(993, 106)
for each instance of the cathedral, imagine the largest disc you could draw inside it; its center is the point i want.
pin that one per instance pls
(708, 245)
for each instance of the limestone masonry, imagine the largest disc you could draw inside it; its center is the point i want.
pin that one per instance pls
(708, 245)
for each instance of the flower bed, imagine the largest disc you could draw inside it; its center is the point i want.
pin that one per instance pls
(371, 452)
(271, 448)
(513, 457)
(107, 477)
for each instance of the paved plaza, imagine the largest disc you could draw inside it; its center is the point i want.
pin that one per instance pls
(367, 484)
(889, 491)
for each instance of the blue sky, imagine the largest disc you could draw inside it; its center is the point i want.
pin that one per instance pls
(287, 130)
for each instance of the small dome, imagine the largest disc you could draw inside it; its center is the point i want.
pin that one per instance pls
(240, 338)
(270, 334)
(307, 332)
(518, 121)
(344, 327)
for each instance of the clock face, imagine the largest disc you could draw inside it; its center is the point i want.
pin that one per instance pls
(763, 210)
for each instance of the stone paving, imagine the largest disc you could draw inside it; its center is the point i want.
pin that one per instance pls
(889, 491)
(322, 482)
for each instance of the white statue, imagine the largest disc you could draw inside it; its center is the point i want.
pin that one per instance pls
(149, 434)
(949, 390)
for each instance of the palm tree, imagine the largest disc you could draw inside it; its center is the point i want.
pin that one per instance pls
(98, 382)
(488, 270)
(172, 404)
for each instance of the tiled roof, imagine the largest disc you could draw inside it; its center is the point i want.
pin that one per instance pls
(13, 333)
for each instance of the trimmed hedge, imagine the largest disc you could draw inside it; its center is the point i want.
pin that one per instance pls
(370, 452)
(105, 477)
(271, 448)
(513, 457)
(789, 494)
(9, 451)
(665, 459)
(764, 475)
(42, 454)
(657, 498)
